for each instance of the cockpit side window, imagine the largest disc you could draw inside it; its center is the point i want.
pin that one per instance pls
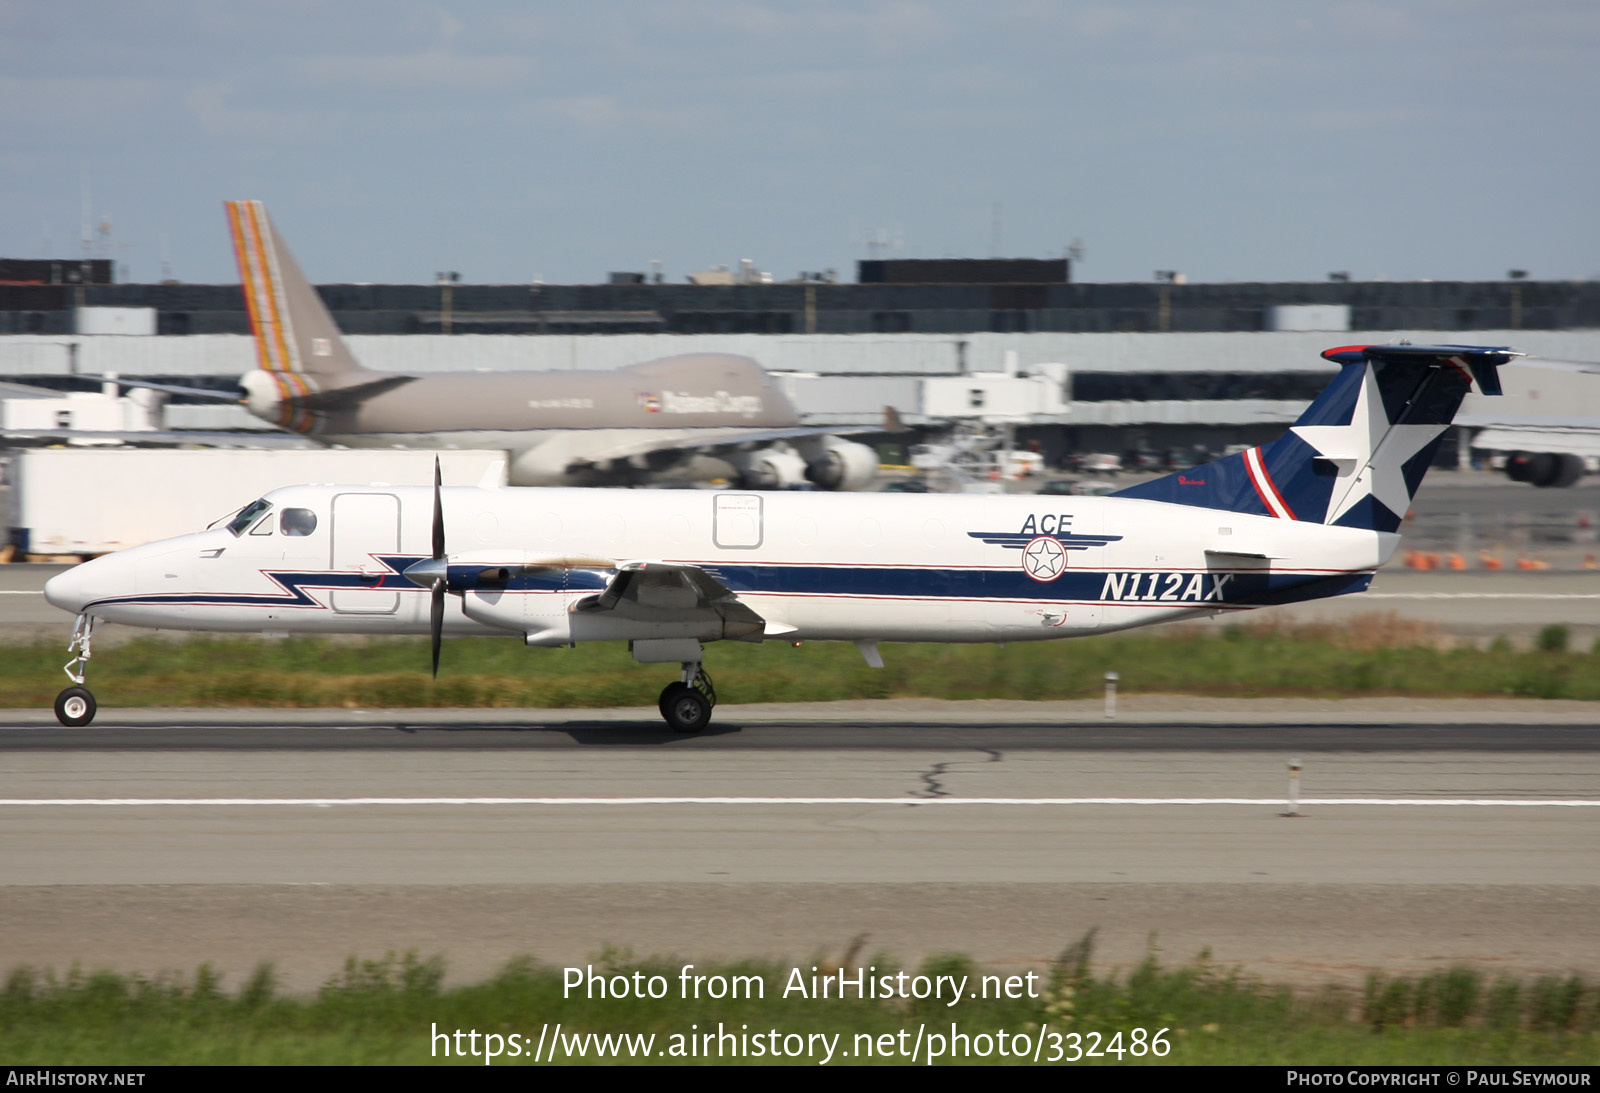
(298, 522)
(247, 516)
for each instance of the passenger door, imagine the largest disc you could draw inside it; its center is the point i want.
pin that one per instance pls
(365, 524)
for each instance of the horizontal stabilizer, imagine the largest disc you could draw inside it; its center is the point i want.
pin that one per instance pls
(207, 393)
(346, 398)
(1476, 362)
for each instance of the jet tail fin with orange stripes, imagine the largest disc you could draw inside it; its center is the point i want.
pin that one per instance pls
(294, 333)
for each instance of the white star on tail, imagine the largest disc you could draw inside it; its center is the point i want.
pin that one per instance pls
(1371, 453)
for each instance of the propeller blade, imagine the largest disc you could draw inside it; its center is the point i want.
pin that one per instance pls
(436, 623)
(438, 513)
(439, 571)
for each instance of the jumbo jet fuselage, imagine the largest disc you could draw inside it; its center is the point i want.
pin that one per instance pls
(559, 428)
(330, 559)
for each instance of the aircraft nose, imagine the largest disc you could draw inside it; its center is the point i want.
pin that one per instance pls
(74, 588)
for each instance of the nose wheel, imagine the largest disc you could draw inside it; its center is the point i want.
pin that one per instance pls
(686, 704)
(76, 706)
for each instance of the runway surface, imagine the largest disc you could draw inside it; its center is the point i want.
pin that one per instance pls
(524, 832)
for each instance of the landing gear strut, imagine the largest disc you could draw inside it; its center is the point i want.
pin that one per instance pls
(686, 703)
(76, 706)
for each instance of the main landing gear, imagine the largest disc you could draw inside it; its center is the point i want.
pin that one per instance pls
(76, 706)
(686, 703)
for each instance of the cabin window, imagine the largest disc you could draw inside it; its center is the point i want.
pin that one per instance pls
(247, 516)
(298, 521)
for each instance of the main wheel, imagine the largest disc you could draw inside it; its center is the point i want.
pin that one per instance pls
(686, 709)
(75, 706)
(668, 693)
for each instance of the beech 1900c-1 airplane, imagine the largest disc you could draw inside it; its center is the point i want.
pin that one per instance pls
(1312, 514)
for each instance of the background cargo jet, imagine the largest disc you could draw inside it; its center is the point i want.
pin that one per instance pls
(560, 428)
(1310, 515)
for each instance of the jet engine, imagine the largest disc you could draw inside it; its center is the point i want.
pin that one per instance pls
(263, 394)
(835, 464)
(774, 468)
(1544, 469)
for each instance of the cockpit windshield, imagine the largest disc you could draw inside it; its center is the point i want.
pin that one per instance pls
(248, 516)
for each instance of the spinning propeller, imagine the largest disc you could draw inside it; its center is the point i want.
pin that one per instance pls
(434, 572)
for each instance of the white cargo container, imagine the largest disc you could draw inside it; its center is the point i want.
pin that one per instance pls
(86, 502)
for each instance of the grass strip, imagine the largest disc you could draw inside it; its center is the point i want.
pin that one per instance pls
(1374, 655)
(386, 1011)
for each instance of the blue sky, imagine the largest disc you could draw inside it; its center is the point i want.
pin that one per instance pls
(1232, 140)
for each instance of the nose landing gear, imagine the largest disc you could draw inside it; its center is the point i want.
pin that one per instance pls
(75, 706)
(686, 704)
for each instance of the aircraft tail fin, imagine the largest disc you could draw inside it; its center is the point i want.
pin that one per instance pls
(294, 333)
(1357, 455)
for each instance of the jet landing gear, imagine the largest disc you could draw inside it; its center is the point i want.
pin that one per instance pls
(76, 706)
(686, 703)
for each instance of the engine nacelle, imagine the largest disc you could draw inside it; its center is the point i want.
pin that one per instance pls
(1545, 469)
(543, 464)
(841, 464)
(263, 394)
(775, 468)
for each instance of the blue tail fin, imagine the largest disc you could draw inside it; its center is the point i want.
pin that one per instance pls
(1358, 453)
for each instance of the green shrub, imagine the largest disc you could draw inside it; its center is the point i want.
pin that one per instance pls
(1553, 639)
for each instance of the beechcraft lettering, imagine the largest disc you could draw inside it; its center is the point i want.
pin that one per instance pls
(1311, 515)
(1166, 587)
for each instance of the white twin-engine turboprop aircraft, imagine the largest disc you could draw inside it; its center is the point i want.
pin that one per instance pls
(1312, 514)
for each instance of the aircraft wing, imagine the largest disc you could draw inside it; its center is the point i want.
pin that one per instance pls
(720, 441)
(657, 591)
(206, 393)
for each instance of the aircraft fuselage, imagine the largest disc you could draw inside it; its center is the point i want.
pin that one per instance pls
(814, 566)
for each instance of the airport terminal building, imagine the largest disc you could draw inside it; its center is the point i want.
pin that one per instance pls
(1071, 366)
